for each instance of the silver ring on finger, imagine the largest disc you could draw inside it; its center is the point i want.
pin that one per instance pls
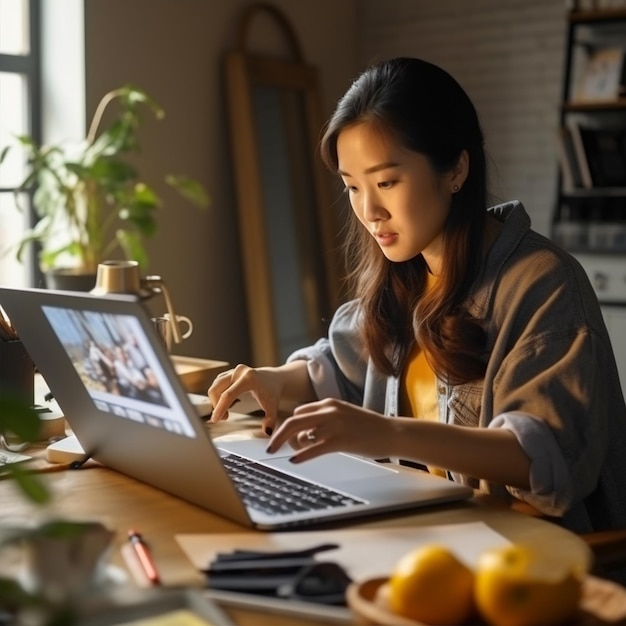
(310, 435)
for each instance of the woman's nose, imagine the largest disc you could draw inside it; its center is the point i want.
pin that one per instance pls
(373, 210)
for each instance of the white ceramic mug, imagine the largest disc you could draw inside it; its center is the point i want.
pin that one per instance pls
(163, 326)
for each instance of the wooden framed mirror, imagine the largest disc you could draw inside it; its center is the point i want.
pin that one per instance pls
(287, 231)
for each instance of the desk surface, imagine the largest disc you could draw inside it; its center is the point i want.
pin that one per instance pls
(95, 492)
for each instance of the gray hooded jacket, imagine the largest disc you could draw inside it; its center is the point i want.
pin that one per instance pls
(551, 377)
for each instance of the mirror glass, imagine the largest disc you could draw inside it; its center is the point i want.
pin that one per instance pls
(287, 228)
(291, 229)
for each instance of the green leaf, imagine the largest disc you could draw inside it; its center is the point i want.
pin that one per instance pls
(145, 196)
(120, 137)
(28, 142)
(111, 173)
(145, 224)
(48, 257)
(13, 596)
(17, 417)
(190, 189)
(133, 95)
(28, 182)
(30, 484)
(60, 528)
(133, 247)
(29, 238)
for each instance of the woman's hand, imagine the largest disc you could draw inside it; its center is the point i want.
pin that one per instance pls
(332, 425)
(268, 386)
(265, 384)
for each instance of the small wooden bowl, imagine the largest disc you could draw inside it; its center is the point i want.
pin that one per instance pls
(603, 602)
(361, 598)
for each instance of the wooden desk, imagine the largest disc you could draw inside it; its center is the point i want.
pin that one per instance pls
(95, 492)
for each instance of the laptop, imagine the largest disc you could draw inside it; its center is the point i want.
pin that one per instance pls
(152, 432)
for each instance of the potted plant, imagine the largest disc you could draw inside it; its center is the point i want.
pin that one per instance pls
(90, 200)
(62, 558)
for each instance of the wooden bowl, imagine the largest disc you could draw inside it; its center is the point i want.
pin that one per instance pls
(603, 602)
(361, 598)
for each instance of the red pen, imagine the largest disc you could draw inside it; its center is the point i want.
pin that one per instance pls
(144, 557)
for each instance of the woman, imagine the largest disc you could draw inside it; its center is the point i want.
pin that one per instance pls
(480, 338)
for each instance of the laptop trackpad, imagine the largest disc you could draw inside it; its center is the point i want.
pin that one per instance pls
(331, 469)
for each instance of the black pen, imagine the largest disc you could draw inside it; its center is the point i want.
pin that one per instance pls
(80, 462)
(144, 557)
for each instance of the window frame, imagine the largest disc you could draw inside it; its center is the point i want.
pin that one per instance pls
(29, 65)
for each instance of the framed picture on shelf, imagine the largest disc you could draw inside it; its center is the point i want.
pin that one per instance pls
(604, 76)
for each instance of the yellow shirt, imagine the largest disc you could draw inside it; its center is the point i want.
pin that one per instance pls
(419, 388)
(419, 385)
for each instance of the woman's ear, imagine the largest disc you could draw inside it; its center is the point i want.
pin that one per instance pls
(459, 172)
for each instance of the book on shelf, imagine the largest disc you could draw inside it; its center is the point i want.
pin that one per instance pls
(580, 154)
(570, 170)
(603, 77)
(600, 154)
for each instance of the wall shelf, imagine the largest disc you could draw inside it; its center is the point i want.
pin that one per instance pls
(591, 189)
(594, 107)
(597, 16)
(595, 192)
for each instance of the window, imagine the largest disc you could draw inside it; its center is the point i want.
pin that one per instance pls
(19, 114)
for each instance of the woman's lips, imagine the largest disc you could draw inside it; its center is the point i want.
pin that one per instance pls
(385, 239)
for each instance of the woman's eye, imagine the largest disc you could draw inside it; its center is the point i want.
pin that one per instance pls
(387, 184)
(349, 189)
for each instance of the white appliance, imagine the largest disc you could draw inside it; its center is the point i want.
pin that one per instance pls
(607, 273)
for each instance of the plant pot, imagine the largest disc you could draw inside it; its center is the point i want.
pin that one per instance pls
(70, 279)
(65, 559)
(63, 563)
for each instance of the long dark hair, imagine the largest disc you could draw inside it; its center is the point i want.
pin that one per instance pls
(425, 109)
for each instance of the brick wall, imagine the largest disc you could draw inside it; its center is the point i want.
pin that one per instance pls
(508, 55)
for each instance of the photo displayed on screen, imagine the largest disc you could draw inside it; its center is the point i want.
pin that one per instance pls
(117, 366)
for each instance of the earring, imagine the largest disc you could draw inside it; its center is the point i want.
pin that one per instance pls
(455, 188)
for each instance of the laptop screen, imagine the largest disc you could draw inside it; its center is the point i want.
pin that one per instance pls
(117, 366)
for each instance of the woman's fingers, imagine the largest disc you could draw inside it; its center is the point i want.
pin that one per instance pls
(270, 421)
(331, 426)
(298, 431)
(219, 399)
(231, 384)
(226, 388)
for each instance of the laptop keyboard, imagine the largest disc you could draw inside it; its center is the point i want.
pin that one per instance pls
(276, 493)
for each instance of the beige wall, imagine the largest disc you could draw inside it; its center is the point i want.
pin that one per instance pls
(509, 57)
(508, 54)
(173, 50)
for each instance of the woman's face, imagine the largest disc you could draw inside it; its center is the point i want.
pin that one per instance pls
(395, 193)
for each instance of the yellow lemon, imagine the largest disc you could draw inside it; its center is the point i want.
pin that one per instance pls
(430, 584)
(516, 587)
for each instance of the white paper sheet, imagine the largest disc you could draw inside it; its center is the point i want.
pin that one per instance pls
(364, 553)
